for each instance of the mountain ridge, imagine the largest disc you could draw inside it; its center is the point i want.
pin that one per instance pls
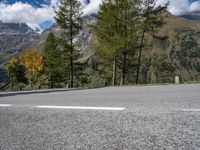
(14, 37)
(195, 16)
(171, 45)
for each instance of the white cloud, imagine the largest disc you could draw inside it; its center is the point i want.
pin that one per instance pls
(178, 7)
(93, 7)
(24, 12)
(195, 6)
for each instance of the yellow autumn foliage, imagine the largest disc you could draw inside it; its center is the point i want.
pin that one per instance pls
(32, 59)
(13, 61)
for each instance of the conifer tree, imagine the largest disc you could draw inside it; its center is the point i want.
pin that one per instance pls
(69, 18)
(105, 30)
(128, 20)
(151, 20)
(53, 62)
(116, 32)
(17, 73)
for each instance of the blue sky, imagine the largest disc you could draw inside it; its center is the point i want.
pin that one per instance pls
(38, 3)
(40, 13)
(190, 1)
(35, 3)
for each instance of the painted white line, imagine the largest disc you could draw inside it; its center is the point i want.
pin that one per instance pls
(85, 108)
(191, 110)
(5, 105)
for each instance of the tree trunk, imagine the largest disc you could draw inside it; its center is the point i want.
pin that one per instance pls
(51, 81)
(20, 87)
(11, 86)
(31, 83)
(123, 69)
(71, 69)
(39, 86)
(114, 73)
(139, 58)
(125, 48)
(71, 49)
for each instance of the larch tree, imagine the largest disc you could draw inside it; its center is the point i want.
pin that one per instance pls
(33, 61)
(128, 23)
(151, 20)
(106, 31)
(69, 17)
(116, 32)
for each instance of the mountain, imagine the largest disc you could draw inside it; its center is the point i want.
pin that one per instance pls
(14, 37)
(86, 38)
(194, 16)
(174, 50)
(15, 28)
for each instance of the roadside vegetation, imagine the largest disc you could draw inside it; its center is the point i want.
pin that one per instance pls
(123, 29)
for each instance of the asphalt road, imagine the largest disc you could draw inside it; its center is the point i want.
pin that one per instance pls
(118, 118)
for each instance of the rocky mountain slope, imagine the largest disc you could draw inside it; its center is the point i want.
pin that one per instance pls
(176, 47)
(174, 50)
(195, 16)
(14, 37)
(86, 38)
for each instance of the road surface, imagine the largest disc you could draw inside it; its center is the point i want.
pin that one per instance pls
(114, 118)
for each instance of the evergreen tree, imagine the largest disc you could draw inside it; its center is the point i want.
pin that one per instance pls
(53, 61)
(151, 20)
(69, 18)
(105, 30)
(128, 19)
(116, 32)
(17, 73)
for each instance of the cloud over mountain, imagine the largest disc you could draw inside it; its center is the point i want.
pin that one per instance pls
(92, 7)
(179, 7)
(24, 12)
(33, 16)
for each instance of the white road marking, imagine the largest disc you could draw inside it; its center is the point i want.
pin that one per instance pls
(70, 107)
(191, 110)
(5, 105)
(80, 107)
